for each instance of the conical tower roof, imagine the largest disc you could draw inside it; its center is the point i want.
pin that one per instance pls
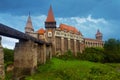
(50, 17)
(29, 23)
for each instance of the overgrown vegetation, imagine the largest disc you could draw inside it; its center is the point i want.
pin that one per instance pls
(83, 67)
(8, 59)
(67, 56)
(8, 55)
(109, 54)
(112, 50)
(92, 54)
(58, 69)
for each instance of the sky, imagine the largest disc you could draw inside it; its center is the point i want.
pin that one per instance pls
(86, 15)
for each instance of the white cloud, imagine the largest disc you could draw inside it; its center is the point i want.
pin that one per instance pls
(102, 20)
(79, 20)
(8, 42)
(87, 25)
(38, 21)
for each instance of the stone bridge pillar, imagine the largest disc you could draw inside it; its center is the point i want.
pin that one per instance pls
(2, 73)
(44, 53)
(25, 59)
(39, 54)
(48, 52)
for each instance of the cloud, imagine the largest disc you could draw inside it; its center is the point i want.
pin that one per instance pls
(100, 20)
(8, 42)
(38, 21)
(87, 25)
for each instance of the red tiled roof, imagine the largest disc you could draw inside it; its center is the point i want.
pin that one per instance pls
(50, 17)
(41, 31)
(69, 28)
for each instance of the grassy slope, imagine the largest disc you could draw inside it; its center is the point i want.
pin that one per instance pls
(58, 69)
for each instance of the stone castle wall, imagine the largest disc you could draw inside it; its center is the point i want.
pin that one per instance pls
(2, 73)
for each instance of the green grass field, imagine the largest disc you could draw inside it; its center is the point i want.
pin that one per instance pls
(58, 69)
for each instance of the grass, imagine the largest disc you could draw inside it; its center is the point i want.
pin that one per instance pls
(58, 69)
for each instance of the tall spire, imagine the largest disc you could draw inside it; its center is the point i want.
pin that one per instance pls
(29, 27)
(50, 17)
(50, 21)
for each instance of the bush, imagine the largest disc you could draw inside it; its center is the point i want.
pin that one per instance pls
(67, 55)
(8, 59)
(92, 54)
(8, 55)
(112, 50)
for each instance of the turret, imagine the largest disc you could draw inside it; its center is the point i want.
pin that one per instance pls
(29, 27)
(98, 35)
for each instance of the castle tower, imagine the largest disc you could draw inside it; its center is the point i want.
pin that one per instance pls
(98, 35)
(50, 21)
(50, 25)
(29, 27)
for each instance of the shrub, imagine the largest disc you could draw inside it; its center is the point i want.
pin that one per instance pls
(8, 55)
(92, 54)
(8, 59)
(67, 55)
(112, 50)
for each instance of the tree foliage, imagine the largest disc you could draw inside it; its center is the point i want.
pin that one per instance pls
(109, 53)
(112, 50)
(8, 55)
(92, 54)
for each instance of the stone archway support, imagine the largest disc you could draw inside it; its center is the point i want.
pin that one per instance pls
(25, 59)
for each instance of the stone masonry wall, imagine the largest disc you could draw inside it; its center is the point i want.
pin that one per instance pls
(2, 73)
(25, 59)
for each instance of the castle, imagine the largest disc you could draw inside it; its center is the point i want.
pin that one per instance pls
(64, 37)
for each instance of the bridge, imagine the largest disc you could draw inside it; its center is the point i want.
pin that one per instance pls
(28, 52)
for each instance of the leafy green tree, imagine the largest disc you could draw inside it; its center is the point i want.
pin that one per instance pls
(8, 55)
(112, 50)
(93, 54)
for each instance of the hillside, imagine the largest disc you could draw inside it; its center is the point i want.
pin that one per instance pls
(58, 69)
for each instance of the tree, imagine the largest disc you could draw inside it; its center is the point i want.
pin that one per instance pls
(112, 50)
(92, 54)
